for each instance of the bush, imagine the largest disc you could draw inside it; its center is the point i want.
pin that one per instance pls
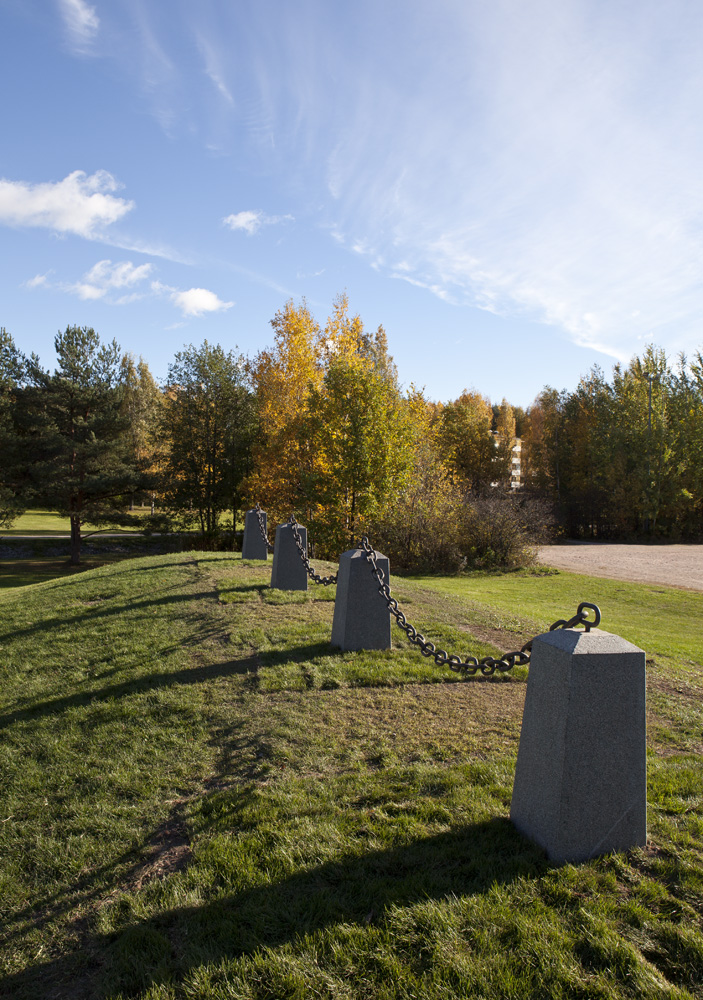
(438, 528)
(418, 532)
(500, 530)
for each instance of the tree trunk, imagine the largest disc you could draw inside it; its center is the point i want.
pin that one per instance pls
(75, 540)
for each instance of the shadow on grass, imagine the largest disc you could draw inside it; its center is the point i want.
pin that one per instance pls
(151, 682)
(116, 610)
(359, 888)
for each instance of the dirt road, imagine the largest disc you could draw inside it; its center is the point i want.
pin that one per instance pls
(673, 565)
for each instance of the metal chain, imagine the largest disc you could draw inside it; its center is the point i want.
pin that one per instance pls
(489, 664)
(262, 529)
(325, 580)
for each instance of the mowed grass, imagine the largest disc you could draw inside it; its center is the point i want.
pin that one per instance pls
(48, 522)
(203, 799)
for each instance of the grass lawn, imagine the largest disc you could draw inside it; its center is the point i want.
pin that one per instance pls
(203, 799)
(48, 522)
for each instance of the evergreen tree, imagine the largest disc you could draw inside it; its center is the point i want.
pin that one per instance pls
(74, 434)
(13, 369)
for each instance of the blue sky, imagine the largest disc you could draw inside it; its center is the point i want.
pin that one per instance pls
(511, 187)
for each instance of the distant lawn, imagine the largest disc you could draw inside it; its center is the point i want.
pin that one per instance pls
(47, 522)
(642, 613)
(203, 799)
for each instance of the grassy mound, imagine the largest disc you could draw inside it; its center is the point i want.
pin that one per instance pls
(202, 798)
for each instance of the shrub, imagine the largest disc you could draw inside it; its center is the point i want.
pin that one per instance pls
(499, 530)
(438, 528)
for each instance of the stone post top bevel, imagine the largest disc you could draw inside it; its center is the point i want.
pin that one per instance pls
(360, 554)
(579, 642)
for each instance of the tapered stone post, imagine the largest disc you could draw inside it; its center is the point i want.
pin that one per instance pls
(253, 545)
(580, 785)
(361, 617)
(288, 572)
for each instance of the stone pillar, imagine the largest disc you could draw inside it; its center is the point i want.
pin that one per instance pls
(288, 572)
(361, 618)
(581, 777)
(253, 546)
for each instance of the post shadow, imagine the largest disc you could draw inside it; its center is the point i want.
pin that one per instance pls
(357, 888)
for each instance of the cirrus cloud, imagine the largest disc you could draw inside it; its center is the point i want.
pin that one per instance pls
(251, 222)
(79, 204)
(81, 22)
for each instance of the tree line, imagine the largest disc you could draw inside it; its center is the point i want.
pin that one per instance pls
(622, 458)
(318, 424)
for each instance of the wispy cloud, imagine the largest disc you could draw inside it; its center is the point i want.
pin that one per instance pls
(79, 204)
(38, 281)
(553, 171)
(105, 277)
(81, 23)
(214, 70)
(99, 282)
(150, 249)
(251, 222)
(537, 159)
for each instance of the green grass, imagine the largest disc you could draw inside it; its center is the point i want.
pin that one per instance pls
(642, 613)
(203, 799)
(48, 522)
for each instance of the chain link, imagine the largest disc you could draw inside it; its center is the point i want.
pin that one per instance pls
(325, 580)
(262, 529)
(471, 664)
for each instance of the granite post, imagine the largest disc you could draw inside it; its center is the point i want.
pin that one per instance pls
(288, 572)
(361, 617)
(580, 785)
(253, 545)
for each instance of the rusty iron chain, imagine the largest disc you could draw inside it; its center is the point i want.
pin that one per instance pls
(262, 529)
(324, 580)
(471, 664)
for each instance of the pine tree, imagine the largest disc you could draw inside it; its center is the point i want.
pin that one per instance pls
(75, 434)
(13, 368)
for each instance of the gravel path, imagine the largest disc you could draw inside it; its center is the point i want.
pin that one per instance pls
(673, 565)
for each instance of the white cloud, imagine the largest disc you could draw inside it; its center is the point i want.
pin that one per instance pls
(251, 222)
(78, 204)
(38, 281)
(197, 301)
(105, 276)
(81, 22)
(102, 279)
